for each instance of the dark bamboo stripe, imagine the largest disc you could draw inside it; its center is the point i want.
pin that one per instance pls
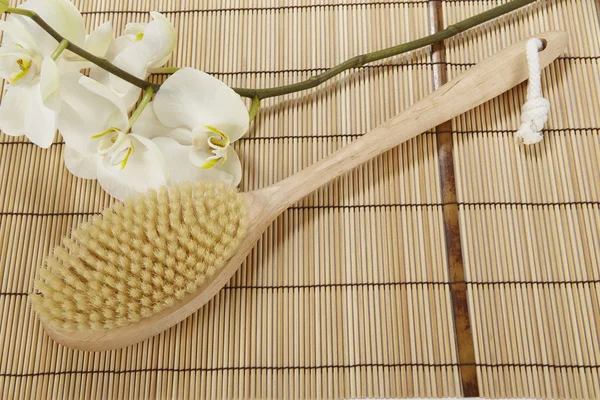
(460, 308)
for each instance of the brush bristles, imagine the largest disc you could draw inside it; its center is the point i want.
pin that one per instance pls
(140, 257)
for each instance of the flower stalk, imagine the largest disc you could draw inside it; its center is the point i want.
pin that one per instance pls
(254, 108)
(164, 70)
(313, 81)
(4, 5)
(59, 50)
(145, 100)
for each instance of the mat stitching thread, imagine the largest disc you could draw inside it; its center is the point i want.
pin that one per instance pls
(337, 207)
(307, 367)
(272, 8)
(363, 67)
(384, 284)
(371, 66)
(281, 8)
(352, 135)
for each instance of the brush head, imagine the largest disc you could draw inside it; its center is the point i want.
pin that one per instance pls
(139, 257)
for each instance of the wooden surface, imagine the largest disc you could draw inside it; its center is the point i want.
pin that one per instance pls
(348, 293)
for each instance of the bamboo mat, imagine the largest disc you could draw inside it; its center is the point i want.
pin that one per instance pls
(351, 292)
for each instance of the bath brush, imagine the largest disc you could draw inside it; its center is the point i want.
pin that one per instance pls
(146, 264)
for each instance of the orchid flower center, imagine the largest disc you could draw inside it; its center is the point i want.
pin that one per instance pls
(116, 146)
(217, 143)
(135, 31)
(23, 65)
(16, 63)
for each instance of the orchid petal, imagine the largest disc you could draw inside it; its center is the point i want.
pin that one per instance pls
(155, 151)
(176, 156)
(162, 32)
(88, 109)
(98, 74)
(97, 43)
(142, 172)
(82, 165)
(40, 124)
(50, 84)
(194, 99)
(232, 166)
(12, 110)
(20, 102)
(119, 119)
(116, 47)
(17, 33)
(159, 36)
(134, 59)
(63, 16)
(153, 50)
(201, 157)
(100, 40)
(149, 126)
(130, 98)
(69, 64)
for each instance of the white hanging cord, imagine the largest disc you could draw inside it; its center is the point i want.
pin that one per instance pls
(536, 109)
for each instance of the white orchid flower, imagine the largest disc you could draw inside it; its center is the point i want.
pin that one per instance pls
(142, 47)
(32, 100)
(194, 120)
(97, 43)
(94, 124)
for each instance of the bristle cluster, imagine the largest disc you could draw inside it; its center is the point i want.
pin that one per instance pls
(140, 257)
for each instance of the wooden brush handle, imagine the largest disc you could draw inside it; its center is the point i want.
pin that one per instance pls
(481, 83)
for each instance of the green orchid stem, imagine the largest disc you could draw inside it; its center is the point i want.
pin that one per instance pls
(59, 50)
(101, 62)
(145, 100)
(313, 81)
(254, 108)
(367, 58)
